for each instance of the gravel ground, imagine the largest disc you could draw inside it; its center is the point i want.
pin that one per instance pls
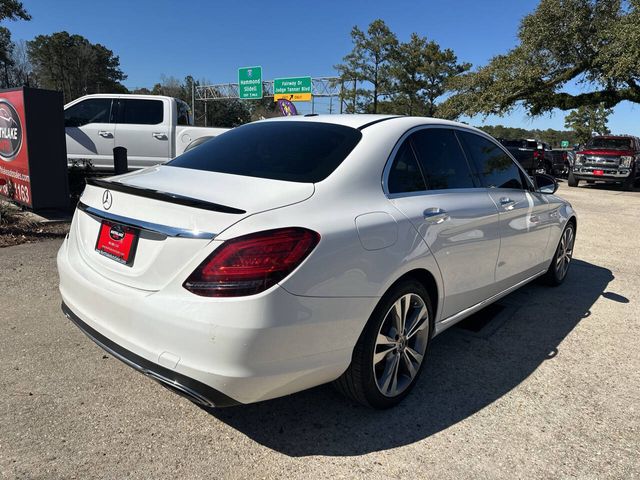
(549, 387)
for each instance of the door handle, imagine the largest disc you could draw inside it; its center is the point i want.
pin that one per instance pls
(159, 135)
(435, 215)
(507, 203)
(105, 134)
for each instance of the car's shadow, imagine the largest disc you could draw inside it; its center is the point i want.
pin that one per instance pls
(466, 371)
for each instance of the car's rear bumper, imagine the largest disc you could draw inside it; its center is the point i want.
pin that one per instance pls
(230, 350)
(181, 384)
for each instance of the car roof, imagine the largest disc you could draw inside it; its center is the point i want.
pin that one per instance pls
(363, 120)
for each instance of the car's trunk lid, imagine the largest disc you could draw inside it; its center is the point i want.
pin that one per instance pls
(177, 213)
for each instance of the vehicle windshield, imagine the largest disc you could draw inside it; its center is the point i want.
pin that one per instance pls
(295, 151)
(610, 143)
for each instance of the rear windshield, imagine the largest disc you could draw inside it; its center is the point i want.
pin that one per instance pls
(304, 152)
(610, 143)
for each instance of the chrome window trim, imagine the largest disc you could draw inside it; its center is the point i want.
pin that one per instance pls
(392, 157)
(147, 226)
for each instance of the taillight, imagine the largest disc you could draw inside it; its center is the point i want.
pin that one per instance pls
(537, 154)
(252, 263)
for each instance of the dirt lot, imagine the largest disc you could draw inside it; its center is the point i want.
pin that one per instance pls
(549, 387)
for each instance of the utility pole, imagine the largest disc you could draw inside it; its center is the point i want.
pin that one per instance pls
(193, 100)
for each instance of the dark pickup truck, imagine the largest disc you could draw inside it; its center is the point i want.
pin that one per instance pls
(562, 159)
(612, 159)
(532, 155)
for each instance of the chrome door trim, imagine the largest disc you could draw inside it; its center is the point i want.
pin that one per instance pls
(449, 321)
(147, 226)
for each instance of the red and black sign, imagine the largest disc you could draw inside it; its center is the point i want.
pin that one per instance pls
(10, 131)
(117, 242)
(33, 153)
(14, 157)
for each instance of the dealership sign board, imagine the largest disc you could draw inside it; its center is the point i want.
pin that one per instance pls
(250, 83)
(14, 158)
(33, 163)
(296, 89)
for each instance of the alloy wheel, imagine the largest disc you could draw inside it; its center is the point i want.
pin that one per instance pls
(565, 252)
(400, 345)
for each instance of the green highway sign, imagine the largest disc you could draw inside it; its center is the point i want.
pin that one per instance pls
(250, 83)
(564, 143)
(293, 88)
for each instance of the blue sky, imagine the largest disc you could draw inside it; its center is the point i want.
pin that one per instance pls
(210, 39)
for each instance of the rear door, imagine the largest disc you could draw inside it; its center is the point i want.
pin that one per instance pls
(90, 131)
(143, 128)
(524, 214)
(430, 181)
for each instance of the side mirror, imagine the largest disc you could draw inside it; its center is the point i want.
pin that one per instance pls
(545, 183)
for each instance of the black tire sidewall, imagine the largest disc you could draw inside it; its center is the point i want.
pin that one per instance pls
(571, 180)
(553, 272)
(368, 341)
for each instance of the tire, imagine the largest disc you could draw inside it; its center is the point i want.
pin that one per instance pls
(380, 352)
(558, 269)
(629, 182)
(572, 181)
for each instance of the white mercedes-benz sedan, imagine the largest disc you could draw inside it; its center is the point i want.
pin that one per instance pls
(292, 252)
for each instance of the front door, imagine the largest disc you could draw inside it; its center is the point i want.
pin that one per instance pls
(524, 215)
(90, 132)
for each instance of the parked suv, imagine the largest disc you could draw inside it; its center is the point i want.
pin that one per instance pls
(607, 159)
(534, 156)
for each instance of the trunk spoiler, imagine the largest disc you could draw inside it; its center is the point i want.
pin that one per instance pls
(164, 196)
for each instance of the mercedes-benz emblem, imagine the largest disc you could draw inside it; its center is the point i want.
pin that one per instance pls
(107, 199)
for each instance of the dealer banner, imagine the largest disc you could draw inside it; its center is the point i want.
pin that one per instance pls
(14, 157)
(33, 153)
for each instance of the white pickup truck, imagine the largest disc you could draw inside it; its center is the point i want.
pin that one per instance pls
(154, 129)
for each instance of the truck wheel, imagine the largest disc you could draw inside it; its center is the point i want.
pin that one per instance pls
(572, 181)
(629, 182)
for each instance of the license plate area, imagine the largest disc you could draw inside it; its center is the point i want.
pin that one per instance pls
(117, 242)
(598, 172)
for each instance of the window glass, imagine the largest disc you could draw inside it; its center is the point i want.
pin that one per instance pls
(405, 175)
(442, 160)
(95, 110)
(295, 151)
(184, 113)
(140, 112)
(496, 168)
(613, 143)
